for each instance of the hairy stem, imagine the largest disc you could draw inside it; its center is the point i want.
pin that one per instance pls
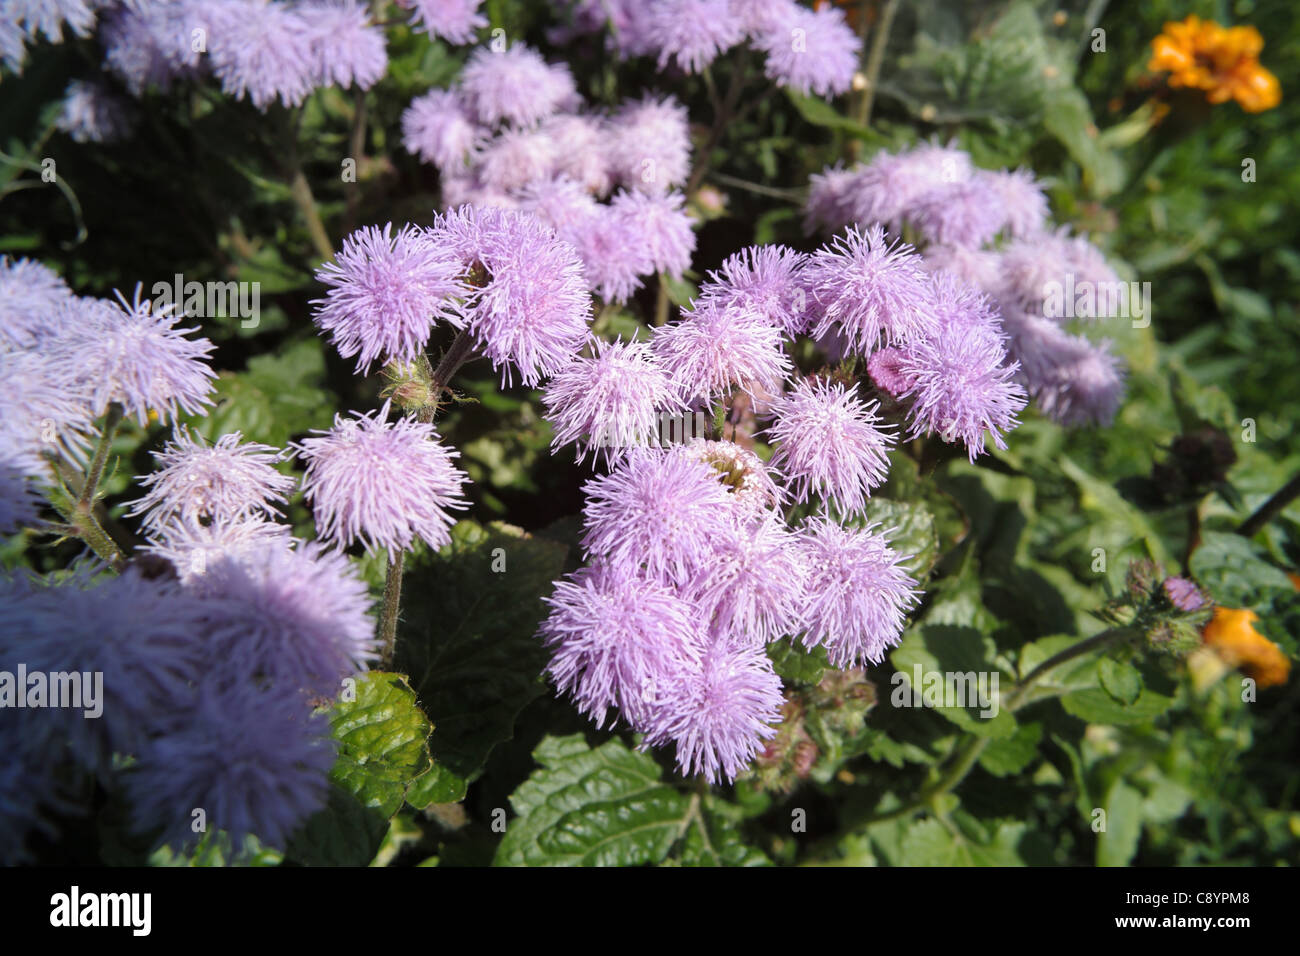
(388, 617)
(95, 472)
(306, 203)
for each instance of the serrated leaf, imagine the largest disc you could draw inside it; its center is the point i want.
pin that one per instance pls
(382, 739)
(909, 526)
(1096, 706)
(1010, 755)
(606, 806)
(794, 663)
(1233, 570)
(930, 843)
(468, 639)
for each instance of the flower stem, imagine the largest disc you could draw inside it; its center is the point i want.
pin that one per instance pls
(1271, 508)
(306, 203)
(964, 756)
(388, 617)
(458, 353)
(875, 60)
(96, 469)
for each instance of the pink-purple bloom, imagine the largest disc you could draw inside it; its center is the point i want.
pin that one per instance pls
(515, 86)
(382, 483)
(437, 128)
(530, 309)
(720, 713)
(611, 401)
(765, 279)
(650, 144)
(830, 443)
(386, 292)
(857, 594)
(692, 32)
(717, 348)
(456, 21)
(219, 482)
(812, 51)
(662, 226)
(869, 289)
(619, 640)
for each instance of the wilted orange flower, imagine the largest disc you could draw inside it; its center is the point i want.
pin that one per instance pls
(1232, 635)
(1222, 61)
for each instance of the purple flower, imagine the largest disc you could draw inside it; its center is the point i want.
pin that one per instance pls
(650, 144)
(662, 225)
(515, 158)
(618, 640)
(256, 761)
(1024, 205)
(151, 44)
(752, 589)
(830, 202)
(562, 204)
(386, 292)
(91, 114)
(812, 51)
(857, 596)
(145, 637)
(885, 367)
(42, 409)
(1073, 381)
(31, 295)
(19, 500)
(981, 268)
(966, 213)
(437, 128)
(220, 482)
(961, 384)
(658, 511)
(261, 51)
(12, 53)
(1046, 267)
(381, 483)
(614, 257)
(583, 155)
(343, 46)
(456, 21)
(1184, 595)
(515, 86)
(829, 443)
(752, 491)
(717, 348)
(628, 22)
(764, 279)
(130, 354)
(693, 32)
(49, 17)
(720, 713)
(871, 290)
(192, 548)
(297, 617)
(533, 310)
(613, 399)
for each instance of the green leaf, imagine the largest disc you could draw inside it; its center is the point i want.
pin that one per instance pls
(909, 526)
(468, 640)
(931, 843)
(795, 664)
(1235, 573)
(951, 661)
(1010, 755)
(1120, 679)
(276, 397)
(1117, 844)
(714, 839)
(382, 739)
(1096, 706)
(820, 113)
(585, 807)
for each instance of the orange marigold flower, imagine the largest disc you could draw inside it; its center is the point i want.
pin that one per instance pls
(1223, 61)
(1233, 637)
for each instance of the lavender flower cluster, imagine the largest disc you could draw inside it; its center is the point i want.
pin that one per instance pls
(514, 135)
(992, 230)
(812, 51)
(214, 660)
